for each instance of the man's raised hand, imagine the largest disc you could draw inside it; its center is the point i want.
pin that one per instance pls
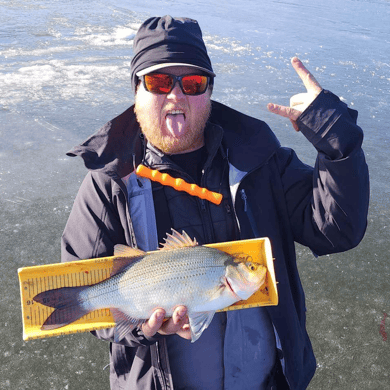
(299, 102)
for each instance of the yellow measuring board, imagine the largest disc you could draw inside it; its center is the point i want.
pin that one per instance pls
(34, 280)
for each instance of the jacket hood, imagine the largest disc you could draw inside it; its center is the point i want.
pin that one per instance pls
(115, 148)
(118, 146)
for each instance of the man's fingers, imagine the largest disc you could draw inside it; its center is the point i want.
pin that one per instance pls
(176, 323)
(150, 327)
(185, 332)
(287, 112)
(295, 125)
(179, 316)
(308, 79)
(299, 102)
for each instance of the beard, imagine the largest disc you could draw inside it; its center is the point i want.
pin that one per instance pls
(149, 121)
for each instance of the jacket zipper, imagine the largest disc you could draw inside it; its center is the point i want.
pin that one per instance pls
(163, 380)
(249, 213)
(244, 198)
(205, 213)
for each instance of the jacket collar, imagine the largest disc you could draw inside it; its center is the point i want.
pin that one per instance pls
(249, 142)
(117, 147)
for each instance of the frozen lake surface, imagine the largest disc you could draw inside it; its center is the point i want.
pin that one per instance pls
(64, 72)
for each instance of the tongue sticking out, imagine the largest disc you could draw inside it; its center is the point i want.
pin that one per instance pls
(175, 124)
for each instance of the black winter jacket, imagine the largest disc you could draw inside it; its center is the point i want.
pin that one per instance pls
(274, 195)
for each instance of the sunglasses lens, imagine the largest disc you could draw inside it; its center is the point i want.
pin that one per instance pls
(158, 83)
(163, 83)
(194, 84)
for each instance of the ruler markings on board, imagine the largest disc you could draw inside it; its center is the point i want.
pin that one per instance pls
(39, 284)
(37, 279)
(37, 318)
(79, 278)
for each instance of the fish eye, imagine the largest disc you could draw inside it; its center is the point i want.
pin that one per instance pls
(251, 266)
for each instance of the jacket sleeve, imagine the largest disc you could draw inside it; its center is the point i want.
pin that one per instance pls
(94, 226)
(95, 222)
(328, 208)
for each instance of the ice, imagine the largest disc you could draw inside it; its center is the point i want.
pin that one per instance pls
(65, 72)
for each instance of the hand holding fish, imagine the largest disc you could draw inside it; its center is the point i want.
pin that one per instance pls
(299, 102)
(177, 324)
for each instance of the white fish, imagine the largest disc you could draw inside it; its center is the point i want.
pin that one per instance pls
(181, 273)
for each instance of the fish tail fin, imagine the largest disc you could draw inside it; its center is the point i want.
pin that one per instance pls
(68, 306)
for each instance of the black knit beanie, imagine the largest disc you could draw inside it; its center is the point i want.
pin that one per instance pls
(167, 41)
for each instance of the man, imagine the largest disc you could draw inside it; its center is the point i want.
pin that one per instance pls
(267, 192)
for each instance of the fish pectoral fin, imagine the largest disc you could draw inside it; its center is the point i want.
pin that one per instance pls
(199, 322)
(123, 324)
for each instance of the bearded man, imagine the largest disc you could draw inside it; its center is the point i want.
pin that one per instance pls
(176, 128)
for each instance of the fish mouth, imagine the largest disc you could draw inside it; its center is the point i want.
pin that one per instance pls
(229, 286)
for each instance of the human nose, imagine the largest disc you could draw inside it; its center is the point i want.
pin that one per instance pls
(176, 90)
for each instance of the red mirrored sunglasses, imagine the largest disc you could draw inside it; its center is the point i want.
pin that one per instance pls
(161, 83)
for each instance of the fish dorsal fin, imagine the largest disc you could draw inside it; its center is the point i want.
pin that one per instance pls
(177, 240)
(126, 251)
(124, 256)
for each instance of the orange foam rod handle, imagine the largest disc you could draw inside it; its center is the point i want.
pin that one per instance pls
(179, 184)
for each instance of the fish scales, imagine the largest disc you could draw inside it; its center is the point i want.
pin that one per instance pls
(162, 277)
(183, 273)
